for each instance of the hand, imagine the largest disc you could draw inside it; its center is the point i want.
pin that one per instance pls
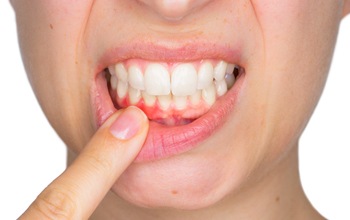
(76, 193)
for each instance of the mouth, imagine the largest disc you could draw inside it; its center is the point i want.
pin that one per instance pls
(171, 94)
(186, 102)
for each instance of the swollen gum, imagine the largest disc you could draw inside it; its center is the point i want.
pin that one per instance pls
(171, 115)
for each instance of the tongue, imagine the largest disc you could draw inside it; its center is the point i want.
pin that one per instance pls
(170, 116)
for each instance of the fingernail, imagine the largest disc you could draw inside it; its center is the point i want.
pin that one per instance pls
(127, 124)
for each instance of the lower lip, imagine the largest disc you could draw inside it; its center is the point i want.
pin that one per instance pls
(165, 141)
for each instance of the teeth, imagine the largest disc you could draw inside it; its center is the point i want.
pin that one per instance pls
(121, 72)
(205, 75)
(177, 90)
(164, 101)
(157, 80)
(114, 82)
(149, 100)
(230, 80)
(220, 70)
(122, 89)
(136, 78)
(209, 94)
(180, 102)
(112, 70)
(221, 87)
(184, 80)
(196, 98)
(134, 96)
(230, 68)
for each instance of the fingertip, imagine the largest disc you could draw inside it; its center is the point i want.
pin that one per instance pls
(129, 123)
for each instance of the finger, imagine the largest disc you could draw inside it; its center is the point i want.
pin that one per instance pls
(76, 193)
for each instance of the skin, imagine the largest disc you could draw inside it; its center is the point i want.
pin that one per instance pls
(246, 170)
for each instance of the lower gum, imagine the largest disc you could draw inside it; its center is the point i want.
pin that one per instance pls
(174, 121)
(155, 112)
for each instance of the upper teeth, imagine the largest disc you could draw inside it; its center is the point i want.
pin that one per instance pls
(206, 79)
(157, 80)
(184, 80)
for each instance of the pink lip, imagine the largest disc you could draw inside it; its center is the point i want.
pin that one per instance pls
(165, 141)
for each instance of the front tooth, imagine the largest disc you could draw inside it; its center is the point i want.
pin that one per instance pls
(148, 99)
(114, 82)
(121, 72)
(209, 94)
(196, 98)
(135, 77)
(184, 80)
(221, 87)
(164, 101)
(157, 80)
(134, 96)
(205, 75)
(122, 89)
(180, 102)
(220, 70)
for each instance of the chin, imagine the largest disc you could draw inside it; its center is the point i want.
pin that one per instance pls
(189, 181)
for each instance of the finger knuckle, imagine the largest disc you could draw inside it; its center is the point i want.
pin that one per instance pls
(55, 203)
(99, 163)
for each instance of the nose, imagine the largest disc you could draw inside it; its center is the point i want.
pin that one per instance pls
(174, 9)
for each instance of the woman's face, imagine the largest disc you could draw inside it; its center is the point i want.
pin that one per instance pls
(204, 142)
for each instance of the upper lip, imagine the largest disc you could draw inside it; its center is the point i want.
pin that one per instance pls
(170, 53)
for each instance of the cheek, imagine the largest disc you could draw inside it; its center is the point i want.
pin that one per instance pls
(294, 64)
(49, 33)
(303, 32)
(298, 50)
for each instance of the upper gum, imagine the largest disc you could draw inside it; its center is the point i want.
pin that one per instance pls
(142, 64)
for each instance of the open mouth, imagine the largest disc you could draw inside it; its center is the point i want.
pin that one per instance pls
(171, 94)
(186, 102)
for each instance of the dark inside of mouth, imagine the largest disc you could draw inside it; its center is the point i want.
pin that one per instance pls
(108, 79)
(237, 71)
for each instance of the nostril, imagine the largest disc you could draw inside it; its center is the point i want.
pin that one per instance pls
(173, 9)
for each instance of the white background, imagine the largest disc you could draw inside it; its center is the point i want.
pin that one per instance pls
(31, 154)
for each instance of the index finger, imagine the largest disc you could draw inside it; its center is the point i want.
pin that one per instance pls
(76, 193)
